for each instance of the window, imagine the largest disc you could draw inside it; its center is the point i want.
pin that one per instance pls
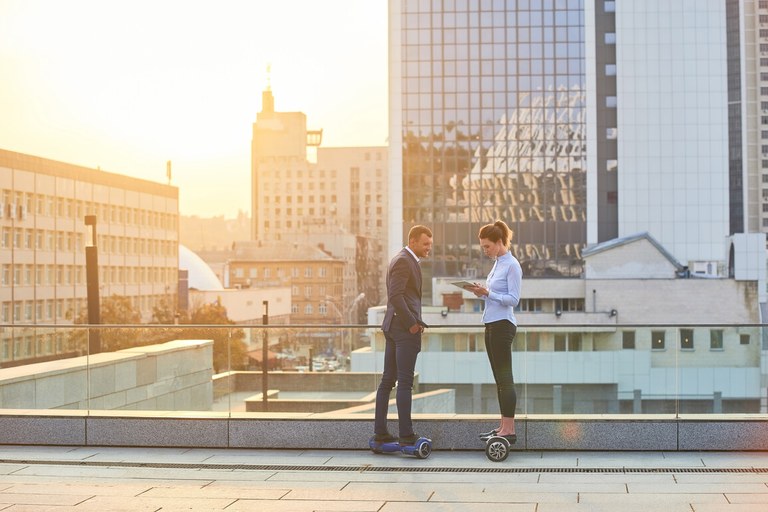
(610, 70)
(686, 339)
(530, 305)
(294, 308)
(611, 133)
(716, 339)
(610, 101)
(560, 342)
(308, 309)
(574, 342)
(610, 38)
(308, 272)
(609, 6)
(657, 340)
(322, 308)
(532, 341)
(628, 339)
(611, 165)
(294, 290)
(744, 339)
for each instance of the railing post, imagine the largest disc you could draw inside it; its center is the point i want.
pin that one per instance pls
(265, 359)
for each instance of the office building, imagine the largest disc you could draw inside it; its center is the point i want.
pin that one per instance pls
(637, 334)
(577, 122)
(341, 197)
(43, 204)
(314, 276)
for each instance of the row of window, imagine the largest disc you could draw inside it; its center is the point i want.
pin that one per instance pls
(309, 309)
(40, 274)
(50, 240)
(537, 305)
(19, 205)
(289, 224)
(299, 199)
(573, 341)
(659, 342)
(267, 272)
(29, 311)
(41, 310)
(34, 345)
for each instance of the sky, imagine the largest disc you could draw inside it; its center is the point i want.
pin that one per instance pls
(126, 85)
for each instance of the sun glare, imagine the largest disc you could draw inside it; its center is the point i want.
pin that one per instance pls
(127, 86)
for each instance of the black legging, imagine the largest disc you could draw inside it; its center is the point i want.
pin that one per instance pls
(498, 344)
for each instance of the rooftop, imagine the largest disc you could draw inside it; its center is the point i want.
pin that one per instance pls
(166, 479)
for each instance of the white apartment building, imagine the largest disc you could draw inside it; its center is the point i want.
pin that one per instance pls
(43, 204)
(637, 334)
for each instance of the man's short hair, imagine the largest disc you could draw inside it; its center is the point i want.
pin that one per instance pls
(416, 232)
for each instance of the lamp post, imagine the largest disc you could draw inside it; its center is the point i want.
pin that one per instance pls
(92, 287)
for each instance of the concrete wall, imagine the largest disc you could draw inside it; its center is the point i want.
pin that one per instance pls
(333, 431)
(175, 376)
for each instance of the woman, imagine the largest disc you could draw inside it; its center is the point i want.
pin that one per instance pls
(501, 294)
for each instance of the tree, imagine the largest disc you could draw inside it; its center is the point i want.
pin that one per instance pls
(229, 350)
(115, 309)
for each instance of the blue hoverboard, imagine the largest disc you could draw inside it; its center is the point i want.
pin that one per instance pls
(421, 448)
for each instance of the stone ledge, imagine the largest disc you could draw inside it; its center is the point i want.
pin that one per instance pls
(351, 431)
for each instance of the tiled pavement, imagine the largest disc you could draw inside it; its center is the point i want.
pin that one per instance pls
(43, 478)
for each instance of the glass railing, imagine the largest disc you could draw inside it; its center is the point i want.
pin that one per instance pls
(335, 369)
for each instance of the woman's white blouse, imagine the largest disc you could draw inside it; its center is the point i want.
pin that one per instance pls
(503, 283)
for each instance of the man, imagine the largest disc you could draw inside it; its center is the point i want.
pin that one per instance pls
(402, 328)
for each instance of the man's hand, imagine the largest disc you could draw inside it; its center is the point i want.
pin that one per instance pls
(416, 329)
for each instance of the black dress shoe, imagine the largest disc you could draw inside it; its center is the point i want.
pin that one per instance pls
(384, 438)
(488, 434)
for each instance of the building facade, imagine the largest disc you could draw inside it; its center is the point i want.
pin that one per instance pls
(341, 196)
(43, 204)
(637, 334)
(314, 277)
(577, 122)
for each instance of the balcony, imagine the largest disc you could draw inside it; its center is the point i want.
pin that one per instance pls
(580, 386)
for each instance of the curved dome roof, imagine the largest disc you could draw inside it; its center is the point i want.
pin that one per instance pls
(201, 277)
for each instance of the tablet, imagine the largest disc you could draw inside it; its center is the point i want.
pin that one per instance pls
(464, 284)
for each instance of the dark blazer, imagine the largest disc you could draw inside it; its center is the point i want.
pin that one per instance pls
(403, 292)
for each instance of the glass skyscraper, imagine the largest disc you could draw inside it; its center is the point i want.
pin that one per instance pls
(490, 104)
(576, 122)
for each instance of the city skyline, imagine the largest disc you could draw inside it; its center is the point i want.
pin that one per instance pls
(127, 87)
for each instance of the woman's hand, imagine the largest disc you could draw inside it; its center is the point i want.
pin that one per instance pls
(478, 290)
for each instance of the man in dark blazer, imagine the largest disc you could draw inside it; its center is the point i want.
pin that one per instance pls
(402, 328)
